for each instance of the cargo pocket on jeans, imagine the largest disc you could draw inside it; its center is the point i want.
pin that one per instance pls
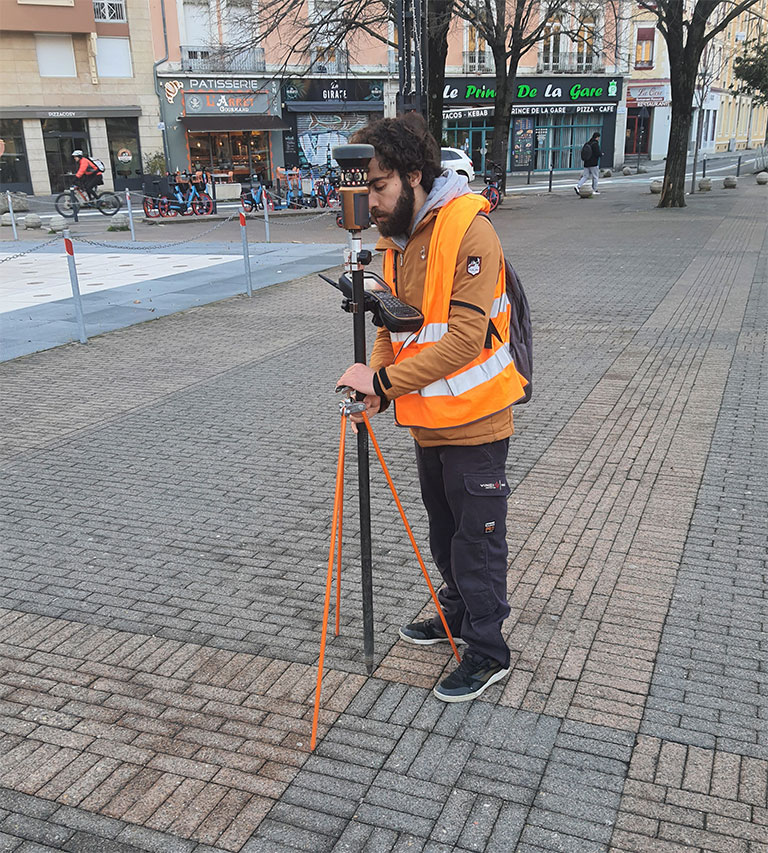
(483, 526)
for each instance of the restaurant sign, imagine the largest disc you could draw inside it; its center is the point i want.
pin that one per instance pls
(223, 103)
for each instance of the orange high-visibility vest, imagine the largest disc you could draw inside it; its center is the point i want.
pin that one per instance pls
(489, 383)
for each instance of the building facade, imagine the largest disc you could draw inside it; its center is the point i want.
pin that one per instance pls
(197, 83)
(77, 74)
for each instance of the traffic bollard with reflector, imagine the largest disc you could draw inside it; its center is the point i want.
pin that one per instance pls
(246, 258)
(70, 250)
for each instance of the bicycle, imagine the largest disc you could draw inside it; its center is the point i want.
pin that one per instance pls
(326, 189)
(72, 201)
(188, 197)
(492, 190)
(256, 196)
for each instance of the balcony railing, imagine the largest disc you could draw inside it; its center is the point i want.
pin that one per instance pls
(476, 62)
(111, 11)
(329, 62)
(214, 58)
(570, 63)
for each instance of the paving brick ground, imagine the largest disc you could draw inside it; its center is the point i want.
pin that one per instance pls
(166, 508)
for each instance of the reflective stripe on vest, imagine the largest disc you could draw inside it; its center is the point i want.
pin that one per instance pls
(487, 384)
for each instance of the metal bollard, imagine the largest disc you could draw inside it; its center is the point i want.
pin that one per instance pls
(551, 171)
(213, 195)
(738, 166)
(529, 173)
(246, 257)
(69, 249)
(130, 214)
(266, 216)
(704, 168)
(13, 215)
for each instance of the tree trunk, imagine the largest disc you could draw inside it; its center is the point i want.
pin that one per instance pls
(683, 84)
(439, 18)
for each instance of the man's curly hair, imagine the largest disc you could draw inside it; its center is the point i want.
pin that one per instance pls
(403, 145)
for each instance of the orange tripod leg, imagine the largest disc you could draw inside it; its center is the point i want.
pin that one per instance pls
(329, 577)
(341, 518)
(410, 536)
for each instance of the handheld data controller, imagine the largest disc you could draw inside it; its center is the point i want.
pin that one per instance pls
(386, 308)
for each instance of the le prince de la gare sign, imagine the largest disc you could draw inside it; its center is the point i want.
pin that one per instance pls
(533, 94)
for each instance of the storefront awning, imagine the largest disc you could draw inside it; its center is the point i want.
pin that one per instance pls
(233, 122)
(335, 106)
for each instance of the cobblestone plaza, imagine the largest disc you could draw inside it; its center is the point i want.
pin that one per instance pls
(167, 501)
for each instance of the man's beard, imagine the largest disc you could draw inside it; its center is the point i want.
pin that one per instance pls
(399, 221)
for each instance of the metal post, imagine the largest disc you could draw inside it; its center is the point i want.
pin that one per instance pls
(738, 166)
(13, 215)
(530, 166)
(213, 195)
(75, 203)
(704, 167)
(130, 214)
(551, 172)
(266, 215)
(246, 256)
(363, 473)
(69, 249)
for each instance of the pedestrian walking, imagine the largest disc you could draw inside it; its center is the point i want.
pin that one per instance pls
(590, 155)
(453, 383)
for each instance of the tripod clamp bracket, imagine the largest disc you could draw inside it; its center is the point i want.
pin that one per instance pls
(349, 406)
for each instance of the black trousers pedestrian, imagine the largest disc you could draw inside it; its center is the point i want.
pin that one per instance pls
(465, 491)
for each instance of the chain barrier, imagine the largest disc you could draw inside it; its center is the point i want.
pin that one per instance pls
(31, 249)
(152, 247)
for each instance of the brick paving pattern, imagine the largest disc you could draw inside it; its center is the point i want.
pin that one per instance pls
(166, 499)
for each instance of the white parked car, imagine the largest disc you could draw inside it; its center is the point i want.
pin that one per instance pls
(456, 159)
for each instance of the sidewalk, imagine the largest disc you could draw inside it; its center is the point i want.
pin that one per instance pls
(167, 493)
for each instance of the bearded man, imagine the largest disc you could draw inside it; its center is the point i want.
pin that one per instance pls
(452, 383)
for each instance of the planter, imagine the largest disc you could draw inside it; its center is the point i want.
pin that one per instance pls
(762, 178)
(228, 192)
(705, 185)
(656, 187)
(730, 183)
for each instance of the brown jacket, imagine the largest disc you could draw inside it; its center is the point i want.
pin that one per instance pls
(471, 302)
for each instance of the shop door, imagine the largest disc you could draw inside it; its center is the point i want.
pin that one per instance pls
(636, 141)
(61, 137)
(125, 153)
(480, 142)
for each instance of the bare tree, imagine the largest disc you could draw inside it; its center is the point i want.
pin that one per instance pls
(711, 66)
(687, 27)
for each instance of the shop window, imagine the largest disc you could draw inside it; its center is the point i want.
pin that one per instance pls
(14, 168)
(113, 57)
(55, 55)
(110, 11)
(644, 49)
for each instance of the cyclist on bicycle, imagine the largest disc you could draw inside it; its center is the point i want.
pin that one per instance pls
(88, 174)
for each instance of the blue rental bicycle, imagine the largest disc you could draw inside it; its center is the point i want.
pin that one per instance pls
(189, 196)
(256, 196)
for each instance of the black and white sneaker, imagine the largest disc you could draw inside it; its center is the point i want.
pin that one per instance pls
(426, 633)
(576, 190)
(473, 675)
